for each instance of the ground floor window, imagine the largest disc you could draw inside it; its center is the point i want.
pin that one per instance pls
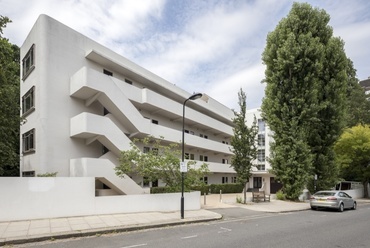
(257, 182)
(233, 179)
(28, 173)
(225, 179)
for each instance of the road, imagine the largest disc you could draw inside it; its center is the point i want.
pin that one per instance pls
(244, 228)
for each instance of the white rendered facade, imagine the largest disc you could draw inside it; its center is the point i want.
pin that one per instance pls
(78, 118)
(261, 175)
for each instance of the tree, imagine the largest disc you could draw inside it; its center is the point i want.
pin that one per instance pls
(162, 162)
(244, 143)
(358, 106)
(9, 105)
(353, 154)
(305, 98)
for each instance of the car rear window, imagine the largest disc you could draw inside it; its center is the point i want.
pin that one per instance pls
(325, 194)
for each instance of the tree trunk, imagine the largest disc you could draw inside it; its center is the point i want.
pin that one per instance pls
(245, 193)
(366, 192)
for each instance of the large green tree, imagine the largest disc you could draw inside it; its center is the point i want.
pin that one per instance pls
(244, 143)
(358, 106)
(305, 98)
(9, 105)
(161, 162)
(353, 154)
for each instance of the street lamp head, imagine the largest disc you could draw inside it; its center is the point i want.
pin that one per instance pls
(195, 96)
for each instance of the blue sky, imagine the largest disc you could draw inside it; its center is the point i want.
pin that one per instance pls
(207, 46)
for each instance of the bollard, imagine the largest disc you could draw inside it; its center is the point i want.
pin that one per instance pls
(220, 195)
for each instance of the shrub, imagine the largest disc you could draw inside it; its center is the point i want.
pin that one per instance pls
(280, 195)
(226, 188)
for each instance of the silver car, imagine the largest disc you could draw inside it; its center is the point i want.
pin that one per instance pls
(332, 199)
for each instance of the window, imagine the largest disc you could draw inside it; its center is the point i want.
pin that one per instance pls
(189, 156)
(225, 179)
(261, 156)
(106, 72)
(225, 161)
(28, 63)
(204, 179)
(28, 141)
(128, 81)
(155, 122)
(146, 182)
(225, 142)
(28, 173)
(261, 140)
(203, 136)
(233, 179)
(203, 158)
(257, 182)
(261, 125)
(146, 149)
(155, 151)
(28, 102)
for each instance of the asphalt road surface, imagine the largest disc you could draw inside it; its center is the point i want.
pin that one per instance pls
(244, 228)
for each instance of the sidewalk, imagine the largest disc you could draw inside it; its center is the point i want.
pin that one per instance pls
(16, 232)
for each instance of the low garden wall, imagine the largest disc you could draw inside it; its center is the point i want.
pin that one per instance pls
(52, 197)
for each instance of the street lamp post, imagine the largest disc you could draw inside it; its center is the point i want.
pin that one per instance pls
(192, 97)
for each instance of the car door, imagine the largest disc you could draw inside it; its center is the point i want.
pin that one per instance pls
(346, 199)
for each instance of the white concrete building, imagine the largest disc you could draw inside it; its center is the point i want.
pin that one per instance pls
(262, 177)
(83, 103)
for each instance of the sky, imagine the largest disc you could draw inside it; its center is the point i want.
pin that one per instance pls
(208, 46)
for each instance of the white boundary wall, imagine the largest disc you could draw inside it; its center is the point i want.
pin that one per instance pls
(53, 197)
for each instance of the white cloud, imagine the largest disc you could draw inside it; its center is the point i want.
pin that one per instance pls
(209, 46)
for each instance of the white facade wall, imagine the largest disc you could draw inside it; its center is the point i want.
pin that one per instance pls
(71, 96)
(39, 198)
(261, 175)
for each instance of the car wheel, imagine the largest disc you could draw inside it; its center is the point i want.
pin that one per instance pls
(354, 206)
(313, 208)
(341, 207)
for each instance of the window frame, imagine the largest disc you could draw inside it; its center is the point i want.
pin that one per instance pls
(28, 62)
(28, 140)
(30, 94)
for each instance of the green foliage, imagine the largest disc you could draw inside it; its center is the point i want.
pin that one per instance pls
(48, 174)
(353, 154)
(280, 195)
(226, 188)
(9, 105)
(305, 98)
(243, 142)
(358, 106)
(160, 163)
(239, 199)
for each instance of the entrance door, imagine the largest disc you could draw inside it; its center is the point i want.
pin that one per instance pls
(274, 185)
(257, 182)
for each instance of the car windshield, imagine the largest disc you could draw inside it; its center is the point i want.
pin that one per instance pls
(325, 194)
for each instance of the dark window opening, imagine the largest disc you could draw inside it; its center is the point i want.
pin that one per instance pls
(109, 73)
(128, 81)
(28, 101)
(28, 141)
(28, 62)
(28, 174)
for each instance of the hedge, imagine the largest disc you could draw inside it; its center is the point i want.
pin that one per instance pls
(212, 188)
